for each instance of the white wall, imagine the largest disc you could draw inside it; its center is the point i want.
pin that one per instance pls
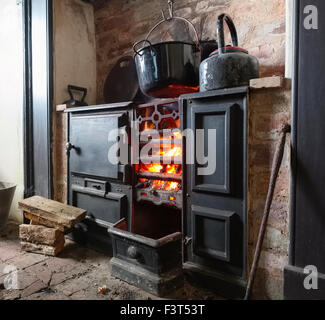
(74, 48)
(74, 63)
(11, 99)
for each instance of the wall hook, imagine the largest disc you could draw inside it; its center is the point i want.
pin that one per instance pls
(170, 9)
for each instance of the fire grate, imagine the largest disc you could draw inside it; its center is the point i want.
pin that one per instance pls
(159, 173)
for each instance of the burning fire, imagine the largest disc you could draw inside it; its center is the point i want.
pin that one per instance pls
(173, 91)
(175, 169)
(166, 148)
(177, 134)
(165, 185)
(171, 186)
(171, 169)
(184, 88)
(162, 184)
(148, 125)
(174, 152)
(156, 168)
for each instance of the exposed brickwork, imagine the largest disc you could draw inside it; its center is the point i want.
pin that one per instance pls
(119, 23)
(268, 109)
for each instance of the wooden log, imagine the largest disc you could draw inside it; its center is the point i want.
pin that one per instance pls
(40, 235)
(51, 212)
(35, 220)
(43, 249)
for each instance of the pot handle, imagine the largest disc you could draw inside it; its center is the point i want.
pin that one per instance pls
(221, 32)
(142, 41)
(171, 17)
(197, 39)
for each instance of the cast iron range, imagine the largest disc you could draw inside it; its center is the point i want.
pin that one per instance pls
(141, 205)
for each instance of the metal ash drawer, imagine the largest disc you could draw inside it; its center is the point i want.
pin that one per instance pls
(154, 265)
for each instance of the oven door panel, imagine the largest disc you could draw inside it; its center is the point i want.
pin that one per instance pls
(103, 208)
(217, 125)
(89, 136)
(212, 232)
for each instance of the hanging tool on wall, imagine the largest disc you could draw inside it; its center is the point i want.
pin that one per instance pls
(277, 160)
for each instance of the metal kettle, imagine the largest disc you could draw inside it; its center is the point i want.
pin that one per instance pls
(228, 66)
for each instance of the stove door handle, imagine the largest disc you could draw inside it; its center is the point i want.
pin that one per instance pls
(133, 253)
(68, 147)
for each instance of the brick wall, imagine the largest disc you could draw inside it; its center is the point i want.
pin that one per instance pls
(260, 24)
(268, 109)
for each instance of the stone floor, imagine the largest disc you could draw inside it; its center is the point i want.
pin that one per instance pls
(76, 274)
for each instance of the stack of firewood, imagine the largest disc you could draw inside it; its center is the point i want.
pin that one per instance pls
(49, 222)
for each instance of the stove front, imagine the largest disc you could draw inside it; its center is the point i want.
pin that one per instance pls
(162, 214)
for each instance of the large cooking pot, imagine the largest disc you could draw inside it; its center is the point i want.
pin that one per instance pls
(229, 66)
(168, 69)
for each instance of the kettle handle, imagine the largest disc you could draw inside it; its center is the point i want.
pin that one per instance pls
(221, 32)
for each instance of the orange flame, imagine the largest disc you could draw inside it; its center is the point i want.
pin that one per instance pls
(174, 152)
(171, 169)
(170, 185)
(156, 168)
(165, 185)
(177, 134)
(168, 148)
